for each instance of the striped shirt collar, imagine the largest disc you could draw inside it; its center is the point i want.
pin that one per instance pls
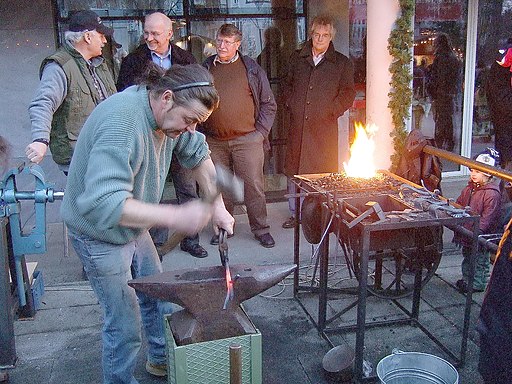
(163, 61)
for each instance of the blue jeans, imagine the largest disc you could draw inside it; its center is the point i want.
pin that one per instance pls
(292, 200)
(108, 268)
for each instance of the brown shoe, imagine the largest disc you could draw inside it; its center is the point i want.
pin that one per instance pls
(159, 370)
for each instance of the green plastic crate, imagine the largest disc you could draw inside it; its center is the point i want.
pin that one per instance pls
(208, 362)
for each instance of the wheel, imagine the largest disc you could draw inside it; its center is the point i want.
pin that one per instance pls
(391, 272)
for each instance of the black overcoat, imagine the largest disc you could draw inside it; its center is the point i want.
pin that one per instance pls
(315, 97)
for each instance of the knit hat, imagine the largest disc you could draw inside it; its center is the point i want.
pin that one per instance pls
(490, 157)
(88, 21)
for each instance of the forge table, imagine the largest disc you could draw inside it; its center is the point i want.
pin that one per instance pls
(372, 225)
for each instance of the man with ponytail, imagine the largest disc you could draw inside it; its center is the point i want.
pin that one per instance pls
(113, 191)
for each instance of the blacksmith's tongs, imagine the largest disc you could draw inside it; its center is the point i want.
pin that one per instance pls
(224, 259)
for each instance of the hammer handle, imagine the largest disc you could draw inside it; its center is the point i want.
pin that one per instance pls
(170, 244)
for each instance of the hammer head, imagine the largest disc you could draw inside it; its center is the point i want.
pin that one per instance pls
(229, 185)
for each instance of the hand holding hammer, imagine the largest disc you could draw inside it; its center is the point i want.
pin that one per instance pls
(227, 184)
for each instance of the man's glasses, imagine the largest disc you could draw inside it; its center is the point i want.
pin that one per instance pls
(154, 34)
(228, 43)
(318, 36)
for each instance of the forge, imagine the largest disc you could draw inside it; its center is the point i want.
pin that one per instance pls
(389, 232)
(201, 293)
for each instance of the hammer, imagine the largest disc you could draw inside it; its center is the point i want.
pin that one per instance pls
(228, 184)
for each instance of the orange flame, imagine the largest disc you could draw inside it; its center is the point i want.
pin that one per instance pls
(361, 163)
(229, 286)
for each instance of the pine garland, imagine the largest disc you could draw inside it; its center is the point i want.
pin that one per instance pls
(400, 43)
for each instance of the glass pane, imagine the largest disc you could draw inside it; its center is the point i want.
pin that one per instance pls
(120, 8)
(439, 55)
(357, 49)
(205, 31)
(492, 80)
(244, 7)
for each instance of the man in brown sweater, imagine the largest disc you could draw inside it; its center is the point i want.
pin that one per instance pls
(237, 132)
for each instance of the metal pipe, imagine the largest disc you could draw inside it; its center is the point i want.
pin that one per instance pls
(458, 159)
(482, 240)
(235, 364)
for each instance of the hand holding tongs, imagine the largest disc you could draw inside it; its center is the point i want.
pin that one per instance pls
(224, 259)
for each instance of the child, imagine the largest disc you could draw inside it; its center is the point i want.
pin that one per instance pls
(484, 198)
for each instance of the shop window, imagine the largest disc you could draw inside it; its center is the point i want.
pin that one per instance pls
(195, 26)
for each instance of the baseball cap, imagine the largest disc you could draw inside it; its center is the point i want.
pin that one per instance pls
(88, 21)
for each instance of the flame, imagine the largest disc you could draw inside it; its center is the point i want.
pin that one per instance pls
(361, 162)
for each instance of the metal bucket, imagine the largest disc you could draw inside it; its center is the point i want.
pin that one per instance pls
(415, 368)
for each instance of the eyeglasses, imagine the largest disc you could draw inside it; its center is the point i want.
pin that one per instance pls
(154, 34)
(219, 42)
(318, 36)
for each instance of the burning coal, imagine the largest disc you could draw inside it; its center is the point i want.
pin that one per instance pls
(344, 183)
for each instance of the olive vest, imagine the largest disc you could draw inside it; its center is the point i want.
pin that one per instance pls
(79, 102)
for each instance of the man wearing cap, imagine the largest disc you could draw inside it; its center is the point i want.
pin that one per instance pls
(499, 97)
(74, 80)
(158, 50)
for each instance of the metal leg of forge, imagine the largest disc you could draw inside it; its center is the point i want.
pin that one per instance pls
(373, 239)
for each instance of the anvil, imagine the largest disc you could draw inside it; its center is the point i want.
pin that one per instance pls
(202, 291)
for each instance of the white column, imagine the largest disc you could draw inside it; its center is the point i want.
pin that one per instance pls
(381, 17)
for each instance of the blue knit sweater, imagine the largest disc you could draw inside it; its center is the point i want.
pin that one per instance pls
(120, 154)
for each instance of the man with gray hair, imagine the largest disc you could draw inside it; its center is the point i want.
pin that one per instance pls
(319, 88)
(74, 80)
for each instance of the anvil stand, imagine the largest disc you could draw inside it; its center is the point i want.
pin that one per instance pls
(16, 298)
(412, 316)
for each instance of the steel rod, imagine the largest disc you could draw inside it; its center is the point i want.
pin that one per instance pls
(235, 364)
(453, 157)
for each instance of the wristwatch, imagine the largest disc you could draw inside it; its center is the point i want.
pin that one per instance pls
(44, 141)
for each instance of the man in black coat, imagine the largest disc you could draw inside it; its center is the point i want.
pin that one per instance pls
(319, 88)
(159, 50)
(499, 97)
